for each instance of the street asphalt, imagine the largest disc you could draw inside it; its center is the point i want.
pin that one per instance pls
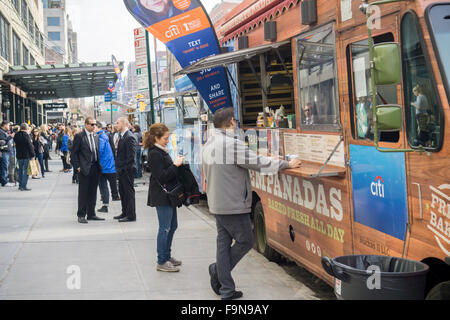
(46, 254)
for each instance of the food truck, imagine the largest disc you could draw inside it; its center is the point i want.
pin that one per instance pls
(375, 162)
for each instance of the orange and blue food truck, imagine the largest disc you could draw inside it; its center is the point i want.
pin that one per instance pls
(364, 89)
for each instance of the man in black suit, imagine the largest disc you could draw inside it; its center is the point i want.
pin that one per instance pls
(126, 170)
(85, 158)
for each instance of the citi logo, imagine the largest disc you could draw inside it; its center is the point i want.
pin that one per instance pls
(377, 187)
(172, 32)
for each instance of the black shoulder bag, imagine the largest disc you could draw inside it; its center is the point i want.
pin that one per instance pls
(177, 195)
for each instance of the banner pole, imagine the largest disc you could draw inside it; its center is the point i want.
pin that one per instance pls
(150, 82)
(111, 110)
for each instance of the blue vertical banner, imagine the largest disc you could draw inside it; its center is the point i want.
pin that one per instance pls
(185, 28)
(119, 74)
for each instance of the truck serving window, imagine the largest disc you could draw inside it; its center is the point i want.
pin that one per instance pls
(423, 113)
(438, 18)
(317, 78)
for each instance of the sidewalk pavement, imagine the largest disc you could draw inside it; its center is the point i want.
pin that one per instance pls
(43, 250)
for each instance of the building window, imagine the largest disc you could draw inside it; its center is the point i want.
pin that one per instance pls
(26, 56)
(53, 21)
(42, 42)
(16, 4)
(30, 24)
(54, 36)
(317, 77)
(4, 38)
(57, 49)
(55, 4)
(16, 49)
(32, 61)
(36, 35)
(24, 10)
(424, 122)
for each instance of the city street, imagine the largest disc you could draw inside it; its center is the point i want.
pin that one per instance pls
(43, 248)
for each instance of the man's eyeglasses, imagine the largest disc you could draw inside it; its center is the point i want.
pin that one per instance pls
(92, 124)
(307, 110)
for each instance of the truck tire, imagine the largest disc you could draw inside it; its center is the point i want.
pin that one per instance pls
(440, 292)
(260, 235)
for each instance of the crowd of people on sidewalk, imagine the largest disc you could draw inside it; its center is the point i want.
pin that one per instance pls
(24, 151)
(101, 154)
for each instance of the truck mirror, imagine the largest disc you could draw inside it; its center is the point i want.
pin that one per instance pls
(389, 117)
(387, 63)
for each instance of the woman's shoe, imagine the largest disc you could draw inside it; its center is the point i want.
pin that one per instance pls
(167, 267)
(175, 262)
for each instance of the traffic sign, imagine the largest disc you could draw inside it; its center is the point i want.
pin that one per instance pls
(109, 96)
(142, 106)
(111, 86)
(113, 110)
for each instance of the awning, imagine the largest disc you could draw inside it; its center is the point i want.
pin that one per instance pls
(175, 95)
(47, 82)
(228, 58)
(9, 87)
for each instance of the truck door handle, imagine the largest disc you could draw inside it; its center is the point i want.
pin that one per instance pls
(420, 199)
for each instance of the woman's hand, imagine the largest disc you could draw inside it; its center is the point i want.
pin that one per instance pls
(178, 161)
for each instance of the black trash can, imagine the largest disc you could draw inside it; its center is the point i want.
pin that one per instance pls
(371, 277)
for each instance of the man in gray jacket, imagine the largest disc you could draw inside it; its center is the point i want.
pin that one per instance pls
(226, 161)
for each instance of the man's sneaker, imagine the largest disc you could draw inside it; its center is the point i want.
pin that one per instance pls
(175, 262)
(235, 295)
(9, 185)
(116, 198)
(103, 209)
(167, 267)
(215, 283)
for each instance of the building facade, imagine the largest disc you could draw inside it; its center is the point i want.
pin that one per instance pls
(21, 38)
(22, 42)
(61, 39)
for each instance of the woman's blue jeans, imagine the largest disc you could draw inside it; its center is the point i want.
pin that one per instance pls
(138, 163)
(167, 217)
(40, 158)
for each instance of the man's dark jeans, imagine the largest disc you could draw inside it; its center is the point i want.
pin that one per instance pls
(23, 174)
(229, 227)
(103, 186)
(4, 163)
(138, 162)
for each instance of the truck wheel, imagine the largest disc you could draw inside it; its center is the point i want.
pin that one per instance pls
(260, 235)
(440, 292)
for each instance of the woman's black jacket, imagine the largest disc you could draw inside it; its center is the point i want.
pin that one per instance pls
(164, 171)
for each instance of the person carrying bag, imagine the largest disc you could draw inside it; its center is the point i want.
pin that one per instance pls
(163, 190)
